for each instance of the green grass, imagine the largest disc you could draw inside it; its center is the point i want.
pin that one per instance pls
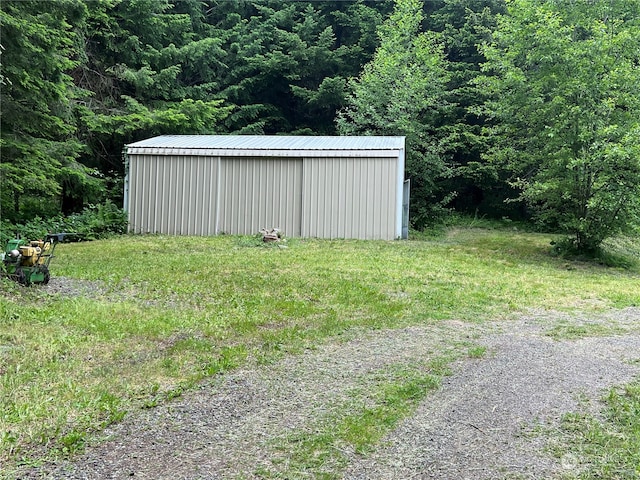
(569, 331)
(322, 451)
(477, 351)
(609, 447)
(172, 311)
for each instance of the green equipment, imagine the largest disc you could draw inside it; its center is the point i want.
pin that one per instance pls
(28, 262)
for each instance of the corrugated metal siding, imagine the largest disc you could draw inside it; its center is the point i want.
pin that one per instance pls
(260, 193)
(349, 198)
(173, 195)
(178, 186)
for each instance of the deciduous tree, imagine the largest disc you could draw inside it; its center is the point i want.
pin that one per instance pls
(565, 80)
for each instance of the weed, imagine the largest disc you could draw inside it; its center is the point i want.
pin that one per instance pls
(477, 351)
(73, 442)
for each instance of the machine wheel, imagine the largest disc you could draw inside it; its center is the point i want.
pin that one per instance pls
(45, 270)
(21, 277)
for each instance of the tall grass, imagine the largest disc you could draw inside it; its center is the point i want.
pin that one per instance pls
(150, 316)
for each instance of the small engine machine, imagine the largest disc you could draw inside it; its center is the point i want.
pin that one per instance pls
(27, 262)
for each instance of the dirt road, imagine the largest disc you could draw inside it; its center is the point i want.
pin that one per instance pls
(477, 425)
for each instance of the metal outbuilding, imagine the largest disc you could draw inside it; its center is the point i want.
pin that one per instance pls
(324, 187)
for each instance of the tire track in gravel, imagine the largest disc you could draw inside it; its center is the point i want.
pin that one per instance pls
(475, 426)
(470, 428)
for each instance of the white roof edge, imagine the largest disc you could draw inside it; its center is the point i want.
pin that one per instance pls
(217, 152)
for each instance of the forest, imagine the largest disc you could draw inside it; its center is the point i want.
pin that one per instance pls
(525, 110)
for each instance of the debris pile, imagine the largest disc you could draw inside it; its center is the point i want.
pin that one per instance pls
(271, 235)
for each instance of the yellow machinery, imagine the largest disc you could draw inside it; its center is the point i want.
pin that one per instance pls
(28, 262)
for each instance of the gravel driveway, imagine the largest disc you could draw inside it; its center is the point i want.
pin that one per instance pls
(475, 426)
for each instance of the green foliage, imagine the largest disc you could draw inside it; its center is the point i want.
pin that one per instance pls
(479, 187)
(94, 222)
(81, 79)
(290, 61)
(99, 221)
(401, 92)
(564, 83)
(185, 117)
(37, 143)
(174, 67)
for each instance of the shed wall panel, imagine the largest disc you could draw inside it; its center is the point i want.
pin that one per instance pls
(349, 198)
(173, 195)
(260, 193)
(328, 193)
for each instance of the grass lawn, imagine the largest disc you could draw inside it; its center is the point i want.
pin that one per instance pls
(157, 314)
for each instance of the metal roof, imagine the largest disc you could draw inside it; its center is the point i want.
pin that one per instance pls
(269, 146)
(272, 142)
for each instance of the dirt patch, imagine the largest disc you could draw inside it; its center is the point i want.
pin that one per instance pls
(74, 287)
(62, 286)
(475, 426)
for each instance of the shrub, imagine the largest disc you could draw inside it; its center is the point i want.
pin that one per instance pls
(94, 222)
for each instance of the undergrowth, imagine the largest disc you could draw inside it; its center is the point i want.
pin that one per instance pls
(94, 222)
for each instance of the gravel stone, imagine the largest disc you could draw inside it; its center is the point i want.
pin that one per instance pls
(73, 287)
(475, 426)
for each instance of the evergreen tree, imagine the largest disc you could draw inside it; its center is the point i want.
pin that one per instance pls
(464, 24)
(153, 67)
(402, 92)
(289, 61)
(39, 148)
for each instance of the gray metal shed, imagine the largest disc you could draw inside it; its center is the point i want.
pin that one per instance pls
(324, 187)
